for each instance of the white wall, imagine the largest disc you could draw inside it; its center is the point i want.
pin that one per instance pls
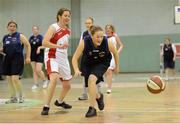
(132, 17)
(30, 12)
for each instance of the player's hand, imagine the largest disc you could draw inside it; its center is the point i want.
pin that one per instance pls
(77, 73)
(64, 45)
(27, 61)
(38, 50)
(116, 70)
(174, 59)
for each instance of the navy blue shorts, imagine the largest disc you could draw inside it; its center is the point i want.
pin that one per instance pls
(13, 65)
(98, 70)
(169, 64)
(37, 57)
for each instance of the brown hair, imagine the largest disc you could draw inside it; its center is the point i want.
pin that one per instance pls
(91, 19)
(94, 29)
(35, 26)
(61, 11)
(10, 22)
(111, 26)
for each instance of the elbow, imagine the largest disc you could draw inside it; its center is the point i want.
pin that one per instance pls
(73, 59)
(43, 43)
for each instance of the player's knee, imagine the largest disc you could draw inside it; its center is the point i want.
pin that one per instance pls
(92, 79)
(67, 86)
(15, 79)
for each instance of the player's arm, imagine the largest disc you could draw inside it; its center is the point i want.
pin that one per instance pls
(174, 50)
(25, 41)
(76, 57)
(119, 43)
(113, 50)
(39, 49)
(161, 53)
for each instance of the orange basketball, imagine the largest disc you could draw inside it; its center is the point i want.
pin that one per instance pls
(155, 84)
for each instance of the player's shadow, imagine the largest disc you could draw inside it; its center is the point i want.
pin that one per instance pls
(61, 112)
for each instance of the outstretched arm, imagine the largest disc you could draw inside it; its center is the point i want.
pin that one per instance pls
(75, 58)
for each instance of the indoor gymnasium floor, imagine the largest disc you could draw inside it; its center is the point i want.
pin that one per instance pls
(129, 102)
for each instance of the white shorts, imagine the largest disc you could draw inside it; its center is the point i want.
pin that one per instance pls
(59, 65)
(112, 64)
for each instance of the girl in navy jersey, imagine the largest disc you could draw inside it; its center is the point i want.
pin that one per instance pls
(97, 52)
(56, 39)
(37, 57)
(88, 23)
(169, 57)
(14, 61)
(113, 37)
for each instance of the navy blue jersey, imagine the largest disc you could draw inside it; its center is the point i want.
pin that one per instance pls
(85, 33)
(12, 44)
(95, 55)
(168, 52)
(35, 42)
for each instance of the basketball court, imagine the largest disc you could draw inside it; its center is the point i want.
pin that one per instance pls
(129, 102)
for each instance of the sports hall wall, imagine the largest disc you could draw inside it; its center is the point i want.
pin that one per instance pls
(141, 24)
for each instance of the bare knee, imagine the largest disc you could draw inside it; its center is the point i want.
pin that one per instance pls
(66, 85)
(109, 72)
(92, 80)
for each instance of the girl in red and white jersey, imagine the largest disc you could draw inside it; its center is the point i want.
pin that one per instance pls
(56, 39)
(113, 37)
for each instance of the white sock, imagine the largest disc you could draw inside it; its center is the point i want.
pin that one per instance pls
(59, 101)
(46, 105)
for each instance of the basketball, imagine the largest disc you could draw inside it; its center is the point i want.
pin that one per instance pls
(155, 84)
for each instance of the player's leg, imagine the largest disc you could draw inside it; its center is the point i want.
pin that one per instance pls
(60, 101)
(53, 72)
(41, 74)
(109, 74)
(18, 85)
(12, 90)
(92, 96)
(84, 95)
(65, 74)
(35, 76)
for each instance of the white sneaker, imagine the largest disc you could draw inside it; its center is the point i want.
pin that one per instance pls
(21, 99)
(109, 91)
(34, 87)
(45, 84)
(12, 100)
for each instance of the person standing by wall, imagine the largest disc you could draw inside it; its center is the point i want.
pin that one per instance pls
(14, 61)
(37, 57)
(114, 38)
(168, 54)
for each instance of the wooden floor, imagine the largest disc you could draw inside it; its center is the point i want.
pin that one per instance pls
(129, 102)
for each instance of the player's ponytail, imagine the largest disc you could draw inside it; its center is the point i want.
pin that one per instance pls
(94, 29)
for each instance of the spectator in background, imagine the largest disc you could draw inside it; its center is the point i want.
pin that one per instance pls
(168, 53)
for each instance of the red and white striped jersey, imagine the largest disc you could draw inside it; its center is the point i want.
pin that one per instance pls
(60, 37)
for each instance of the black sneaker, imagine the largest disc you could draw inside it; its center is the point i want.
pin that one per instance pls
(45, 110)
(91, 112)
(100, 102)
(63, 104)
